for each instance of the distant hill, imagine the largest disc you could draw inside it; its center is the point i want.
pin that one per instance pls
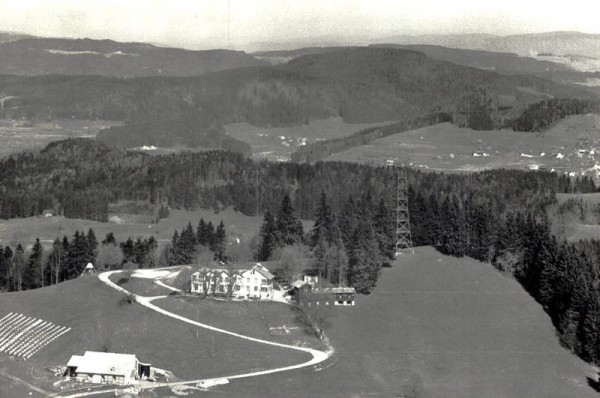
(579, 51)
(560, 42)
(12, 36)
(361, 85)
(41, 56)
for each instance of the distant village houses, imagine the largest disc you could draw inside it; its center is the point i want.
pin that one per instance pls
(255, 282)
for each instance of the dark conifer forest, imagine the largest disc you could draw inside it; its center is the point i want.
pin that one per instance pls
(499, 217)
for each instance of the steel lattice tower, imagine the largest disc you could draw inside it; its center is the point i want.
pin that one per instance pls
(403, 235)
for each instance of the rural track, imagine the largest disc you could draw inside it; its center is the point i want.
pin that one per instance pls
(317, 355)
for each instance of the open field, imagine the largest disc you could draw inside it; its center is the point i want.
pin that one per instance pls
(572, 145)
(16, 136)
(574, 228)
(98, 320)
(251, 318)
(25, 230)
(437, 327)
(277, 143)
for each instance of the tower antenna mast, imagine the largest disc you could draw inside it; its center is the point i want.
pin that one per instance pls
(403, 236)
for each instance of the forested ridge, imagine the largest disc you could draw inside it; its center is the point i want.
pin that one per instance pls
(356, 84)
(499, 216)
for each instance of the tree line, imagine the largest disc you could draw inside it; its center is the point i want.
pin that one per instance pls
(22, 269)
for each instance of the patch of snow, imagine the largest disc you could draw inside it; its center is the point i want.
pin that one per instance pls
(534, 167)
(149, 273)
(525, 155)
(543, 154)
(560, 156)
(212, 382)
(451, 156)
(476, 155)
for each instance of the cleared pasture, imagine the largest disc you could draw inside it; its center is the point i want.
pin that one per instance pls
(278, 143)
(437, 326)
(19, 135)
(571, 145)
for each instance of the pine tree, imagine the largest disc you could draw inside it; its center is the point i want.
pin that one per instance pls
(3, 271)
(289, 226)
(174, 251)
(384, 231)
(91, 246)
(203, 234)
(18, 265)
(348, 221)
(109, 239)
(325, 226)
(364, 262)
(77, 256)
(268, 237)
(219, 242)
(33, 275)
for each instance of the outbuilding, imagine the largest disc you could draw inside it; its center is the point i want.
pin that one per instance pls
(107, 368)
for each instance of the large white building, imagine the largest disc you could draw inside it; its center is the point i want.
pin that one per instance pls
(241, 283)
(107, 368)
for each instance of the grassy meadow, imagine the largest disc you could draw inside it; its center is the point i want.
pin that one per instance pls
(447, 147)
(98, 319)
(437, 326)
(18, 135)
(267, 142)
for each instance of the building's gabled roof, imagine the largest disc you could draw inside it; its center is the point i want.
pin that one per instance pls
(263, 271)
(104, 363)
(236, 271)
(298, 284)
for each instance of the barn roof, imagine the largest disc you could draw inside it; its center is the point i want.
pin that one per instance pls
(104, 363)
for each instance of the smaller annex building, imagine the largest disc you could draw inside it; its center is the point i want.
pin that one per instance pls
(107, 368)
(309, 291)
(254, 282)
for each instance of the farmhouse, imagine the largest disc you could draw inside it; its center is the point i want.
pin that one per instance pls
(107, 368)
(242, 283)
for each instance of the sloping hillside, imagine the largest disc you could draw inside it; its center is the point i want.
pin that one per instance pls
(359, 84)
(42, 56)
(438, 327)
(99, 320)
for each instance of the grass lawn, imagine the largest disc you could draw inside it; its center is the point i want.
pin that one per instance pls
(251, 318)
(93, 312)
(437, 327)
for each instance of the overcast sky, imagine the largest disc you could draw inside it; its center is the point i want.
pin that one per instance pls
(234, 23)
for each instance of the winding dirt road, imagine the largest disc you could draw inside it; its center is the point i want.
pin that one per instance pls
(317, 356)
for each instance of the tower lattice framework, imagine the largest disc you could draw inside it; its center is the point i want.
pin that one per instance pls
(403, 236)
